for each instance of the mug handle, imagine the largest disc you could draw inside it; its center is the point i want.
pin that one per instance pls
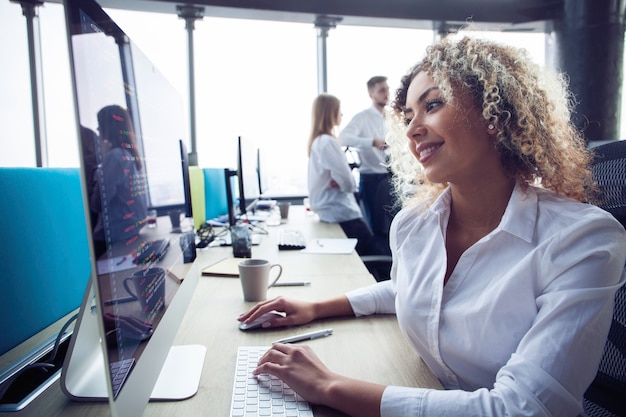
(126, 286)
(280, 271)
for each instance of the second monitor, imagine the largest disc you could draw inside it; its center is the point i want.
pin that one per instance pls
(247, 174)
(243, 194)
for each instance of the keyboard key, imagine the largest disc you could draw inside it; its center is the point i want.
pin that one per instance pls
(291, 240)
(119, 372)
(266, 395)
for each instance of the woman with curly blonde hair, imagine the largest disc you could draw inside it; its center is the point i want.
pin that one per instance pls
(527, 111)
(503, 277)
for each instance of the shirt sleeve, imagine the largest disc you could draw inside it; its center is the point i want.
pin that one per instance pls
(377, 298)
(334, 160)
(422, 402)
(354, 134)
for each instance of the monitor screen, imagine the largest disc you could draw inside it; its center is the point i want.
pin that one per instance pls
(142, 276)
(247, 174)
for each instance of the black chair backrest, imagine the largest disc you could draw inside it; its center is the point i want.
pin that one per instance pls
(609, 171)
(385, 209)
(606, 397)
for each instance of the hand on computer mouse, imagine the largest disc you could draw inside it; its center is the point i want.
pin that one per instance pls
(294, 312)
(259, 321)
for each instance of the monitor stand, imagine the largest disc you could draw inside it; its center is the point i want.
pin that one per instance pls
(84, 376)
(180, 376)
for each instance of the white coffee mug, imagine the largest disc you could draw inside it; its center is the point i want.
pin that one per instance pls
(254, 275)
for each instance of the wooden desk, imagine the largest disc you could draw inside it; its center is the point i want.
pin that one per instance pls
(369, 348)
(294, 263)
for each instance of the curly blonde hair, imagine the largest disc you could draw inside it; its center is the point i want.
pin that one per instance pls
(529, 107)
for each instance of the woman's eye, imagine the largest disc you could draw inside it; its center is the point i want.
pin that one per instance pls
(433, 104)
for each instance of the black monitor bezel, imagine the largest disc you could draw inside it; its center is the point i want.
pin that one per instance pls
(184, 158)
(246, 203)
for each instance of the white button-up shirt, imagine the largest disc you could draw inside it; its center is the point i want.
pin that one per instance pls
(327, 162)
(360, 133)
(521, 324)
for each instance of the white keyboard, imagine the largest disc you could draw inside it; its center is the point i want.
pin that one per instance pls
(264, 395)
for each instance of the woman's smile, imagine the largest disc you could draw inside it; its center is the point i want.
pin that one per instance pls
(426, 150)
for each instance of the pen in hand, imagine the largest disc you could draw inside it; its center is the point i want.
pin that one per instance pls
(305, 336)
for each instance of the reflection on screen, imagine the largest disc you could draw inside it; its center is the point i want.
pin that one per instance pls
(137, 166)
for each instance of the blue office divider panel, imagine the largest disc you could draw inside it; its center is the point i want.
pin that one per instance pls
(215, 193)
(44, 252)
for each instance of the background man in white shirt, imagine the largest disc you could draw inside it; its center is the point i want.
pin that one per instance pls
(366, 132)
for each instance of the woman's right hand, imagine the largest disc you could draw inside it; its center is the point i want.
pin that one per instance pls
(296, 312)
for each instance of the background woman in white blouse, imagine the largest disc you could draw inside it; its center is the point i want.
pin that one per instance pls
(503, 278)
(330, 181)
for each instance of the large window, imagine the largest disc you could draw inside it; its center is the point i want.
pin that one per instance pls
(16, 137)
(253, 78)
(357, 53)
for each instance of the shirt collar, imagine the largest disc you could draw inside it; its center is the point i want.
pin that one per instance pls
(519, 218)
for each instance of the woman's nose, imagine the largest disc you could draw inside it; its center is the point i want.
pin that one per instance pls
(415, 129)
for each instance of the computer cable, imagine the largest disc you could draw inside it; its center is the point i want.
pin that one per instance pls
(256, 228)
(45, 365)
(206, 234)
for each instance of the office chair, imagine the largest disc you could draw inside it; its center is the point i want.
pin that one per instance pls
(609, 171)
(352, 156)
(606, 395)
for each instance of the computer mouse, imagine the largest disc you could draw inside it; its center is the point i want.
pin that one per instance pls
(260, 320)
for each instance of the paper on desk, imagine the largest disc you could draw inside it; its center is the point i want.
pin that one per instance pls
(227, 267)
(336, 246)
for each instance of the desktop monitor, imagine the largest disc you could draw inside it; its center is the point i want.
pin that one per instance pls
(230, 196)
(247, 175)
(261, 173)
(184, 158)
(140, 285)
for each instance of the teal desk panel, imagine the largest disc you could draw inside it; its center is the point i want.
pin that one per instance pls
(215, 193)
(44, 252)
